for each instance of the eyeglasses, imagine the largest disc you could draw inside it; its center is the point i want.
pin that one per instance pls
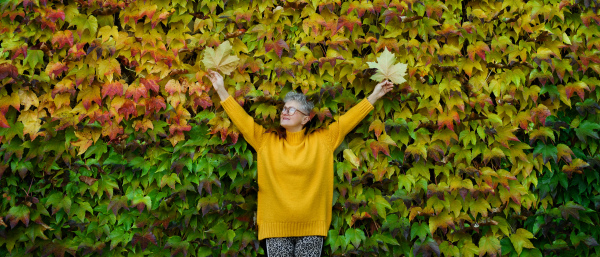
(290, 110)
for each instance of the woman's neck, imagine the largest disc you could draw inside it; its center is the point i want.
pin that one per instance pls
(293, 129)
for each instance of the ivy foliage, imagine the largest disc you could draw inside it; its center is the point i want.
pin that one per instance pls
(113, 143)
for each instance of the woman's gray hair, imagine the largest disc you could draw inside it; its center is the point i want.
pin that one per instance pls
(305, 105)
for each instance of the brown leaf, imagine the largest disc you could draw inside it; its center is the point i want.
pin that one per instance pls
(88, 180)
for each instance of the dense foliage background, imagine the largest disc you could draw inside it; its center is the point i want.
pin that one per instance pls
(114, 144)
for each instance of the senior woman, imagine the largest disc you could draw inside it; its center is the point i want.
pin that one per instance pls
(295, 173)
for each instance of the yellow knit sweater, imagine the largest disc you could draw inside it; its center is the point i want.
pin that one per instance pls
(295, 175)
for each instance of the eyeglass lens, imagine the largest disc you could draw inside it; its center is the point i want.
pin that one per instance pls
(289, 110)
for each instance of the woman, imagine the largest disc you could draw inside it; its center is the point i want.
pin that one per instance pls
(295, 173)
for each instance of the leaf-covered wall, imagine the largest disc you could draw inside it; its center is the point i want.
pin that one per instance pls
(113, 142)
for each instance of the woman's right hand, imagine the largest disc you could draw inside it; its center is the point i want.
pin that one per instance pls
(217, 80)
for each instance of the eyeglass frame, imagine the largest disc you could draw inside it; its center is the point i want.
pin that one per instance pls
(287, 109)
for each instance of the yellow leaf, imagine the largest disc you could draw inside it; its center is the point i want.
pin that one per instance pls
(520, 240)
(31, 123)
(351, 157)
(221, 59)
(28, 98)
(386, 69)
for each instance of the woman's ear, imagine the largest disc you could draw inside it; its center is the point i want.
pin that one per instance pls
(305, 120)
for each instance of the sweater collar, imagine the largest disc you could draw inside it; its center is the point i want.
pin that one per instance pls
(295, 137)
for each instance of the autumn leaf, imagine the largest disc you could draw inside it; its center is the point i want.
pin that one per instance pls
(220, 59)
(351, 157)
(520, 240)
(387, 69)
(18, 213)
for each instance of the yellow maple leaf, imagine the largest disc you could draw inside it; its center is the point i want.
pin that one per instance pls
(220, 59)
(387, 69)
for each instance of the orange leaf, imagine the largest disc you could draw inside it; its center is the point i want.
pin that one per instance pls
(144, 125)
(136, 90)
(541, 113)
(112, 131)
(377, 126)
(150, 84)
(479, 48)
(88, 95)
(112, 89)
(62, 38)
(445, 119)
(56, 69)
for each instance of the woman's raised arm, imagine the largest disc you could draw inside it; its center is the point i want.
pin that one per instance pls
(346, 123)
(252, 131)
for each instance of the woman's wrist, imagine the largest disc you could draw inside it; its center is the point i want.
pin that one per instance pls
(223, 94)
(372, 99)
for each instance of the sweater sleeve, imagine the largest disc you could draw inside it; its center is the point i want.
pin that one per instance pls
(346, 123)
(252, 131)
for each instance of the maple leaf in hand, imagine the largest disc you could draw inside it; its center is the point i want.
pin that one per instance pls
(220, 59)
(386, 69)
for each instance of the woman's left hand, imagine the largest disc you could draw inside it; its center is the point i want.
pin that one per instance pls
(380, 90)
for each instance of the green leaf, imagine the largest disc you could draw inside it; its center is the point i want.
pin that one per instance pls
(355, 236)
(381, 204)
(586, 129)
(18, 213)
(34, 57)
(59, 201)
(170, 180)
(520, 240)
(469, 249)
(490, 245)
(118, 236)
(420, 229)
(547, 152)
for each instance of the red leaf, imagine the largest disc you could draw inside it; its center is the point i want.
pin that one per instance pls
(127, 109)
(479, 48)
(56, 69)
(62, 38)
(53, 15)
(201, 100)
(3, 121)
(112, 89)
(64, 86)
(587, 17)
(541, 112)
(445, 119)
(150, 84)
(321, 113)
(8, 70)
(136, 90)
(577, 87)
(76, 51)
(100, 116)
(144, 239)
(278, 46)
(377, 147)
(154, 104)
(179, 128)
(20, 51)
(348, 22)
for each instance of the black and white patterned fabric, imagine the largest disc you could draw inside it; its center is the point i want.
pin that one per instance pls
(304, 246)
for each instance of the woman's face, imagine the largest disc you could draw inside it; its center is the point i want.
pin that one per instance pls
(293, 122)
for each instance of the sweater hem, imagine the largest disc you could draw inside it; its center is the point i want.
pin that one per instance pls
(292, 229)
